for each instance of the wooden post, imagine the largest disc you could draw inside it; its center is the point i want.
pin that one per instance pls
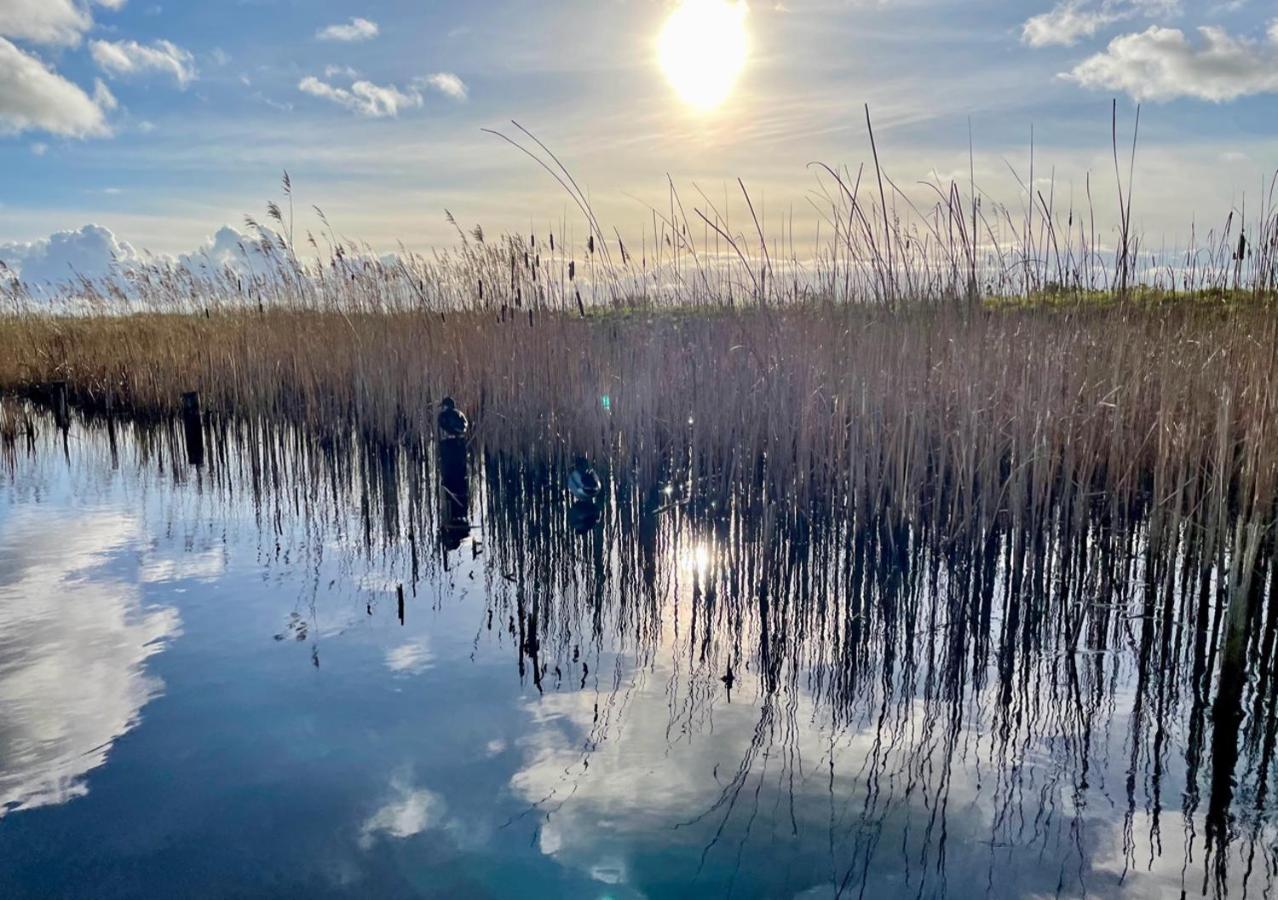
(58, 398)
(193, 427)
(111, 437)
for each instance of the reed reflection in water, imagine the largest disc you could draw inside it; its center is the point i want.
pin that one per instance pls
(835, 696)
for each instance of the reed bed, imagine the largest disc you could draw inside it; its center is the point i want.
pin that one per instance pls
(955, 364)
(1005, 408)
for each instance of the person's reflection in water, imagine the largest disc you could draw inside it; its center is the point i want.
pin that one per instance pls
(454, 519)
(583, 516)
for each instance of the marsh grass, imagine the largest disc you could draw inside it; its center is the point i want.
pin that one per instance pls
(1125, 404)
(956, 364)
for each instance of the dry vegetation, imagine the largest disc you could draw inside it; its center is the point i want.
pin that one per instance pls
(952, 363)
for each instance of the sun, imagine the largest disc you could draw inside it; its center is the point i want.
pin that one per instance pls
(703, 49)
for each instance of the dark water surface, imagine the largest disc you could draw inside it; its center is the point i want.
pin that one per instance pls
(208, 687)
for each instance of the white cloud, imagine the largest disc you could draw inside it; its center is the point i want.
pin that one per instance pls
(33, 96)
(448, 84)
(53, 22)
(230, 249)
(1162, 64)
(131, 58)
(93, 252)
(368, 99)
(380, 101)
(102, 95)
(1065, 24)
(356, 29)
(1069, 21)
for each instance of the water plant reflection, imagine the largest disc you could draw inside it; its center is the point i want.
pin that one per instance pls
(1066, 694)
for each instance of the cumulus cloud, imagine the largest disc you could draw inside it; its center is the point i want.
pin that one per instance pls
(356, 29)
(54, 22)
(126, 58)
(33, 96)
(1070, 21)
(92, 252)
(363, 97)
(233, 250)
(97, 254)
(447, 84)
(1163, 64)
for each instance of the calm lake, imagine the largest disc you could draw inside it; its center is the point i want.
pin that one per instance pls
(295, 672)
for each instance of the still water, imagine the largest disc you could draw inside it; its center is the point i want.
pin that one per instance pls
(209, 686)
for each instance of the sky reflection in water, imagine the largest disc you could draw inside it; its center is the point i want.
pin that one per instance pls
(206, 689)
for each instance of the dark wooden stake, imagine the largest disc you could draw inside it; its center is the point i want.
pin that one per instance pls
(58, 397)
(194, 428)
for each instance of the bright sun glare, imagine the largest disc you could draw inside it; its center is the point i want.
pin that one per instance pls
(703, 49)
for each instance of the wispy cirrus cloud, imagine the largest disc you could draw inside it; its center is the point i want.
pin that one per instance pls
(356, 29)
(129, 58)
(1163, 64)
(1070, 21)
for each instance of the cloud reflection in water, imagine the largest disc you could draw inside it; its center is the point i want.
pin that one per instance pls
(73, 650)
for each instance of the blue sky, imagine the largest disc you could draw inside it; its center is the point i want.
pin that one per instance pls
(164, 121)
